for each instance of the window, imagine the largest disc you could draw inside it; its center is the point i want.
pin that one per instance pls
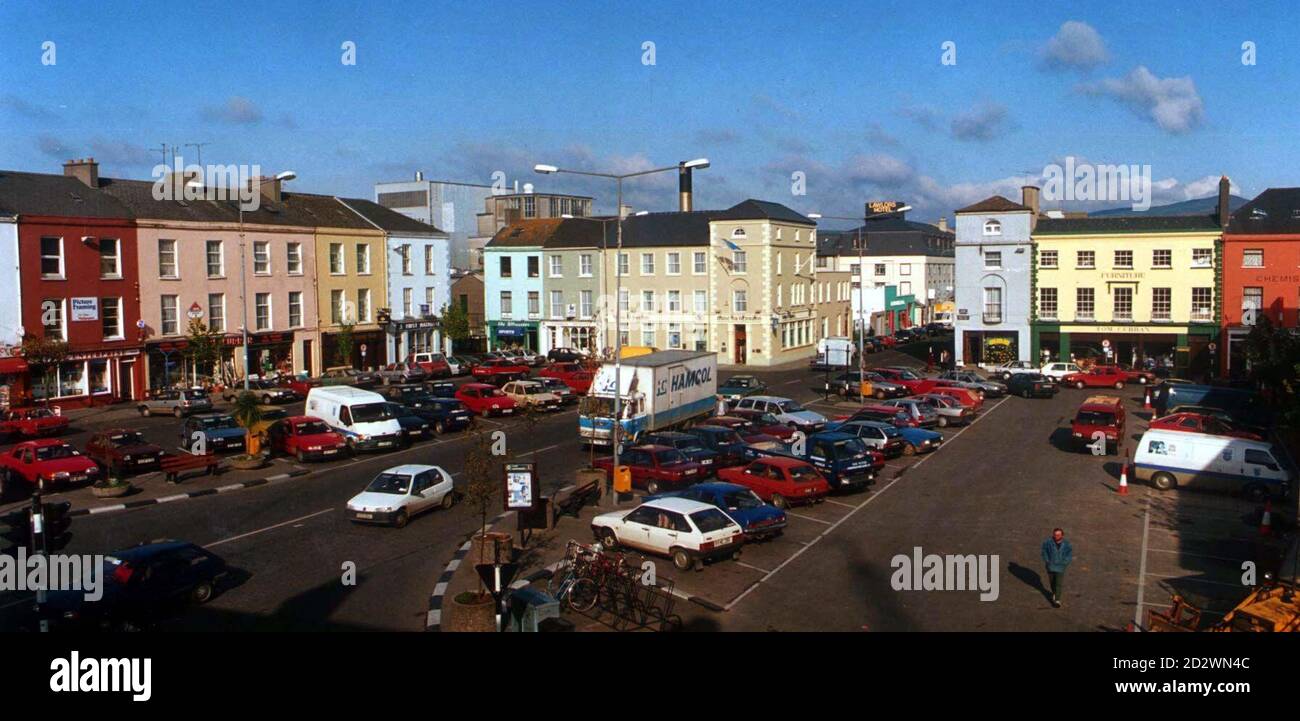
(700, 266)
(1162, 259)
(216, 259)
(557, 266)
(1252, 301)
(336, 259)
(557, 304)
(647, 264)
(217, 312)
(701, 339)
(110, 314)
(584, 265)
(1047, 303)
(585, 308)
(623, 300)
(506, 271)
(1252, 258)
(428, 302)
(740, 262)
(1202, 257)
(408, 297)
(779, 256)
(905, 288)
(648, 334)
(674, 301)
(336, 307)
(534, 303)
(530, 206)
(295, 308)
(778, 295)
(674, 335)
(1161, 303)
(363, 259)
(906, 268)
(674, 264)
(738, 233)
(623, 264)
(534, 264)
(404, 252)
(166, 258)
(52, 318)
(51, 257)
(993, 259)
(648, 301)
(293, 258)
(1084, 303)
(170, 315)
(110, 258)
(428, 260)
(507, 303)
(1047, 258)
(262, 311)
(880, 270)
(1202, 303)
(1122, 300)
(992, 227)
(701, 301)
(1085, 259)
(363, 305)
(739, 301)
(1123, 259)
(992, 305)
(261, 257)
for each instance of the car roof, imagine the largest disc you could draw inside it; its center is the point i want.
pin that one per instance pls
(408, 469)
(149, 550)
(1101, 402)
(786, 462)
(653, 447)
(670, 434)
(833, 436)
(719, 486)
(42, 442)
(679, 505)
(477, 385)
(770, 399)
(345, 393)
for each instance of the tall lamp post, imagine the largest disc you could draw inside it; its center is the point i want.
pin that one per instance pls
(697, 164)
(862, 282)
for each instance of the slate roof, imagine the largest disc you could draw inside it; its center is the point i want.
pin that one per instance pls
(994, 204)
(390, 220)
(1126, 224)
(889, 235)
(763, 210)
(1275, 211)
(48, 194)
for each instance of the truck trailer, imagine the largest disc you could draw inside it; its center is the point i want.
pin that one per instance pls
(660, 390)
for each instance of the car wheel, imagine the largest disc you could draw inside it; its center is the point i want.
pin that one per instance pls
(779, 501)
(943, 421)
(1027, 393)
(609, 539)
(1078, 384)
(652, 488)
(298, 455)
(448, 500)
(4, 484)
(1254, 492)
(1163, 481)
(909, 450)
(682, 560)
(144, 411)
(1119, 385)
(178, 412)
(202, 593)
(266, 399)
(439, 427)
(399, 521)
(880, 395)
(352, 446)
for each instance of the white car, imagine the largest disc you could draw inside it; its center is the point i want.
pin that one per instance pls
(786, 411)
(401, 492)
(453, 364)
(687, 531)
(531, 394)
(1010, 368)
(1057, 371)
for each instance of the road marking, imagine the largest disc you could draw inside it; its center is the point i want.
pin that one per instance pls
(807, 518)
(169, 499)
(1192, 579)
(756, 568)
(268, 528)
(1196, 555)
(839, 503)
(1142, 568)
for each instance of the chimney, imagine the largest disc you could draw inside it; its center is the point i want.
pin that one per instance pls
(943, 224)
(419, 175)
(683, 188)
(624, 210)
(84, 169)
(269, 188)
(1225, 193)
(1029, 199)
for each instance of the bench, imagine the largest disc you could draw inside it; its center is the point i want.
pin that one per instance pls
(573, 502)
(174, 464)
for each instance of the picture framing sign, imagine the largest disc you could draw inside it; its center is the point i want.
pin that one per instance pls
(521, 486)
(85, 309)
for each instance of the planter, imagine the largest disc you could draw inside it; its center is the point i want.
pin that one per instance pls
(114, 491)
(472, 612)
(246, 462)
(493, 545)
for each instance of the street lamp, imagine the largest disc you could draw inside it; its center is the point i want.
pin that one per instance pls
(862, 281)
(618, 178)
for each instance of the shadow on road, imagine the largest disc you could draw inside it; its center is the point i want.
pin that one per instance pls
(1029, 577)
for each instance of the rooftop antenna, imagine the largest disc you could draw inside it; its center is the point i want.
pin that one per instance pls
(198, 152)
(164, 153)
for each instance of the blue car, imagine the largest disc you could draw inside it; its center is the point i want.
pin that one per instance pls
(689, 445)
(919, 440)
(737, 387)
(447, 414)
(218, 431)
(759, 520)
(726, 442)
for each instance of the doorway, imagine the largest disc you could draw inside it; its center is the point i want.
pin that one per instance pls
(308, 363)
(739, 336)
(126, 380)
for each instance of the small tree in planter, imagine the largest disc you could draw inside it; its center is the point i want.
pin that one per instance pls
(344, 343)
(248, 413)
(481, 476)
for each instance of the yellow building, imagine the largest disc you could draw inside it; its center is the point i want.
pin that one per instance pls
(1126, 289)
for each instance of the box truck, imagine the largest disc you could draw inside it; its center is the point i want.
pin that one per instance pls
(834, 353)
(659, 390)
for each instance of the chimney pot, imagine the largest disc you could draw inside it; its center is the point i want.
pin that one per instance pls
(84, 169)
(683, 188)
(1225, 195)
(1029, 198)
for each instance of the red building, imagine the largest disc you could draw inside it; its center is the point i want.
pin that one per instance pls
(79, 282)
(1261, 269)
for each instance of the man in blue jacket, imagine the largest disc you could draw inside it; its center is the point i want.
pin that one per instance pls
(1057, 554)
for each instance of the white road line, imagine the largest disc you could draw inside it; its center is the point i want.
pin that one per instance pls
(839, 503)
(169, 499)
(268, 528)
(756, 568)
(1192, 579)
(807, 518)
(1197, 555)
(1142, 568)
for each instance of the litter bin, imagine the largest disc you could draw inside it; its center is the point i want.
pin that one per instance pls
(554, 625)
(528, 608)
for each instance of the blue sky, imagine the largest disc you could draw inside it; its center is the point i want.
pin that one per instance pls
(851, 94)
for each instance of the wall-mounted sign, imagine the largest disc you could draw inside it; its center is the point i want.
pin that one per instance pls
(85, 309)
(521, 486)
(195, 312)
(875, 207)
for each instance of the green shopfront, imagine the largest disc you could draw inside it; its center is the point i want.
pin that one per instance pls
(508, 334)
(1187, 351)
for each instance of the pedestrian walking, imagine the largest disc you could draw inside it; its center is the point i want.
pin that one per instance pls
(1057, 555)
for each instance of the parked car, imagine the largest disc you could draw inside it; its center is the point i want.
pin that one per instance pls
(1099, 414)
(460, 365)
(124, 450)
(348, 376)
(913, 382)
(949, 410)
(843, 460)
(759, 520)
(447, 414)
(781, 481)
(969, 398)
(725, 442)
(300, 383)
(400, 493)
(266, 390)
(689, 532)
(883, 438)
(934, 329)
(737, 387)
(414, 426)
(1130, 374)
(990, 388)
(407, 372)
(919, 440)
(759, 423)
(531, 394)
(655, 468)
(1059, 370)
(218, 431)
(786, 411)
(1031, 385)
(1176, 459)
(1190, 422)
(435, 365)
(572, 375)
(900, 417)
(868, 384)
(499, 371)
(33, 422)
(689, 445)
(565, 355)
(1011, 368)
(907, 335)
(305, 438)
(47, 463)
(175, 402)
(557, 388)
(923, 413)
(485, 400)
(1099, 377)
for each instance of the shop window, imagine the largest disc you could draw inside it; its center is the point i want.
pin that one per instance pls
(72, 379)
(99, 377)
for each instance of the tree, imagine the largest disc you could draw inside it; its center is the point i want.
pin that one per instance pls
(455, 323)
(203, 346)
(481, 475)
(43, 356)
(1273, 354)
(247, 413)
(343, 347)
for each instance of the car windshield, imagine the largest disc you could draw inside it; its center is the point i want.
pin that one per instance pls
(371, 412)
(126, 438)
(669, 456)
(49, 453)
(395, 410)
(1094, 418)
(710, 520)
(742, 500)
(217, 422)
(390, 483)
(311, 428)
(849, 447)
(450, 405)
(908, 375)
(789, 407)
(741, 382)
(194, 394)
(803, 474)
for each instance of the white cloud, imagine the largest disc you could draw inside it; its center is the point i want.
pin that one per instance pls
(1077, 45)
(1171, 103)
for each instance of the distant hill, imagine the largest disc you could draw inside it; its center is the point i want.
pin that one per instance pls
(1197, 206)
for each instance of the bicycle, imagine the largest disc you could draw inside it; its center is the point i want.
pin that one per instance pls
(571, 583)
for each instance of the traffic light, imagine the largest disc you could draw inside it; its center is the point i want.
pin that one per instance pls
(15, 531)
(58, 525)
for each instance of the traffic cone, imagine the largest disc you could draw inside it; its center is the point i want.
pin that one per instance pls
(1123, 479)
(1146, 398)
(1266, 523)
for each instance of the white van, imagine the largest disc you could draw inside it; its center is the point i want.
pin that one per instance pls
(1176, 458)
(361, 416)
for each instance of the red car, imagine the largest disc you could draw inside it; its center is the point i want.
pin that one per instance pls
(779, 481)
(499, 371)
(572, 375)
(910, 380)
(1201, 423)
(123, 449)
(300, 384)
(306, 438)
(1098, 377)
(485, 400)
(46, 463)
(884, 414)
(1099, 414)
(33, 422)
(655, 468)
(1131, 375)
(765, 423)
(435, 364)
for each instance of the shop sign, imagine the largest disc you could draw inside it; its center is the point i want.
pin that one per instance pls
(85, 309)
(1125, 329)
(195, 312)
(101, 354)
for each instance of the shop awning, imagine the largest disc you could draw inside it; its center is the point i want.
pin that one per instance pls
(13, 364)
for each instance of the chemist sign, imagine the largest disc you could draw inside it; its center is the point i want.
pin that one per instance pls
(85, 309)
